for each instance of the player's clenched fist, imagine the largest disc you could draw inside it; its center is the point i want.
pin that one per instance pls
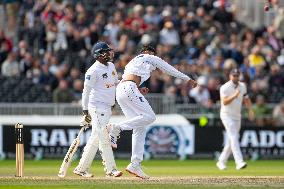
(86, 120)
(144, 90)
(192, 83)
(237, 92)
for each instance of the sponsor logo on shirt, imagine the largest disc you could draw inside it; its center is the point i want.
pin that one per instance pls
(109, 85)
(88, 77)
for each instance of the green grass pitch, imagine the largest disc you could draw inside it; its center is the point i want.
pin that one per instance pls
(166, 174)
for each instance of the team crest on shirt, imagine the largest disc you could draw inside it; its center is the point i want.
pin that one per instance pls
(105, 76)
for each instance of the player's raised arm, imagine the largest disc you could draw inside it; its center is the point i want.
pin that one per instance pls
(167, 68)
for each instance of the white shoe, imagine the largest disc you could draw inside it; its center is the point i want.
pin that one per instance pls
(137, 171)
(114, 133)
(83, 173)
(241, 165)
(114, 173)
(221, 165)
(61, 175)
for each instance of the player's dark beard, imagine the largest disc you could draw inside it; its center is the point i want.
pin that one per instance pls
(236, 82)
(106, 57)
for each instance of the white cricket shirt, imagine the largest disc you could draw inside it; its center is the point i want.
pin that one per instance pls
(143, 64)
(232, 110)
(99, 85)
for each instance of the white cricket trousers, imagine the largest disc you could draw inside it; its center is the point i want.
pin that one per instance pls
(138, 113)
(98, 140)
(232, 145)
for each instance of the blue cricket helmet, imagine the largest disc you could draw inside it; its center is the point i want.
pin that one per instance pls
(100, 48)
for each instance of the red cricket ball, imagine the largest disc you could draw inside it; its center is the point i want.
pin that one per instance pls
(266, 8)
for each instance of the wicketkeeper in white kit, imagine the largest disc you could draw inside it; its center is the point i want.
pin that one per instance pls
(135, 107)
(97, 99)
(233, 94)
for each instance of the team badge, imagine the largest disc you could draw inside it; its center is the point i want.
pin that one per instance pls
(105, 75)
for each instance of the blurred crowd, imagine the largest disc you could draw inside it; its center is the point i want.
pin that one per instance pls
(52, 40)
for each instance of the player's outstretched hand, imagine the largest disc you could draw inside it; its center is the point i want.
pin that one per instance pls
(144, 90)
(192, 83)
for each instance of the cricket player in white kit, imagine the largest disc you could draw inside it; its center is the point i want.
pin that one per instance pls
(233, 94)
(135, 107)
(97, 99)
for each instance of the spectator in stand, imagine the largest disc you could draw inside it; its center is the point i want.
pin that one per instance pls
(261, 112)
(192, 21)
(151, 17)
(12, 7)
(22, 49)
(213, 88)
(276, 79)
(74, 75)
(200, 93)
(273, 41)
(62, 93)
(255, 58)
(5, 46)
(82, 20)
(156, 83)
(51, 33)
(183, 97)
(280, 58)
(279, 24)
(234, 49)
(10, 66)
(166, 15)
(171, 91)
(247, 70)
(278, 114)
(263, 46)
(182, 21)
(222, 15)
(77, 90)
(34, 72)
(54, 65)
(46, 79)
(113, 28)
(169, 35)
(26, 63)
(135, 19)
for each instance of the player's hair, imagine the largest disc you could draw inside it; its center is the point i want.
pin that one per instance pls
(147, 48)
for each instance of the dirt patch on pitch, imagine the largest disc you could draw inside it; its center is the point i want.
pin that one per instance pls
(230, 180)
(187, 180)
